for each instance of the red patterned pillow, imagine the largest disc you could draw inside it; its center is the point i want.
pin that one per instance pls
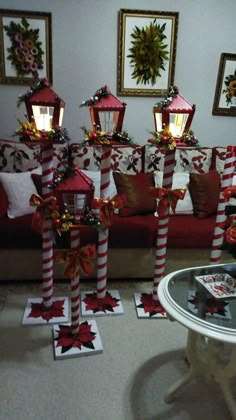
(136, 189)
(3, 202)
(205, 190)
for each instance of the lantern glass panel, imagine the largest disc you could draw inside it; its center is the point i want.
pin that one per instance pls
(108, 120)
(43, 116)
(158, 121)
(61, 116)
(177, 123)
(75, 203)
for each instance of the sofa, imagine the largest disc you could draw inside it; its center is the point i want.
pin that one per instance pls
(133, 231)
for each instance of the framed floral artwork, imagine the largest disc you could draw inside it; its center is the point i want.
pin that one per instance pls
(146, 52)
(225, 93)
(25, 46)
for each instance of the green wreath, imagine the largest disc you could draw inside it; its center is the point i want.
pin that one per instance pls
(148, 53)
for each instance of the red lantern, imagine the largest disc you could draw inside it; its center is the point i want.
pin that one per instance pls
(175, 113)
(76, 192)
(107, 113)
(44, 107)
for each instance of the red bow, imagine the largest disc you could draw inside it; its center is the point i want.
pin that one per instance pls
(79, 257)
(167, 198)
(107, 207)
(44, 208)
(39, 202)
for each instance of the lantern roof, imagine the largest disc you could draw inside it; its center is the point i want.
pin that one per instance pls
(46, 95)
(179, 103)
(109, 102)
(78, 182)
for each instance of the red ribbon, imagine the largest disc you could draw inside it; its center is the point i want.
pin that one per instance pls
(107, 207)
(167, 198)
(74, 258)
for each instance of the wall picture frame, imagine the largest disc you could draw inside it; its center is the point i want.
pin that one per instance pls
(25, 46)
(147, 42)
(225, 92)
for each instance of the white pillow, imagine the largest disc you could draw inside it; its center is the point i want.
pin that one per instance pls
(96, 178)
(18, 187)
(180, 180)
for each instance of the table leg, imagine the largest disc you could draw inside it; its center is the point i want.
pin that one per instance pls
(223, 371)
(207, 358)
(195, 366)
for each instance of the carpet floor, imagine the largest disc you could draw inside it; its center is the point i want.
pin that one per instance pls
(141, 358)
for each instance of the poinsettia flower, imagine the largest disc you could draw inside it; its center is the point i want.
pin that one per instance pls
(150, 305)
(93, 303)
(213, 306)
(67, 340)
(230, 234)
(39, 310)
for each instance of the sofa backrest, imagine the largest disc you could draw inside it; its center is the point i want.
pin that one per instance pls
(125, 159)
(16, 156)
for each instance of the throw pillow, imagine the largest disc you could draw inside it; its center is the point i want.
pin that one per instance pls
(36, 176)
(136, 189)
(18, 187)
(96, 178)
(37, 180)
(205, 190)
(180, 180)
(3, 202)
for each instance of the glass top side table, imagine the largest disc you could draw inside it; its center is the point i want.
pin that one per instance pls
(211, 323)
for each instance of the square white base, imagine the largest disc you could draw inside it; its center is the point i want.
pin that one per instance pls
(147, 308)
(35, 315)
(95, 346)
(90, 304)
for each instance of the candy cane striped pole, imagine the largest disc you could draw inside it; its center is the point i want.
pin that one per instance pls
(227, 177)
(103, 235)
(163, 221)
(47, 243)
(75, 287)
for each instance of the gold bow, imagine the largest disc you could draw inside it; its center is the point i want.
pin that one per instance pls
(73, 258)
(107, 207)
(45, 207)
(167, 198)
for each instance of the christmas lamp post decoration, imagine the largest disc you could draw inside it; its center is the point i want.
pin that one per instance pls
(107, 115)
(227, 178)
(172, 119)
(78, 338)
(45, 114)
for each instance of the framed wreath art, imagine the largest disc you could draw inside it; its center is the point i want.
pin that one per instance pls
(225, 94)
(25, 46)
(147, 52)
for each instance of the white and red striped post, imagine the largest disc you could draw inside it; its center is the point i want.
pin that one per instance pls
(47, 242)
(75, 287)
(163, 221)
(103, 235)
(227, 177)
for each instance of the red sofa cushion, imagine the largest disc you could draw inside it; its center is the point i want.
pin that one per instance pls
(185, 231)
(18, 233)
